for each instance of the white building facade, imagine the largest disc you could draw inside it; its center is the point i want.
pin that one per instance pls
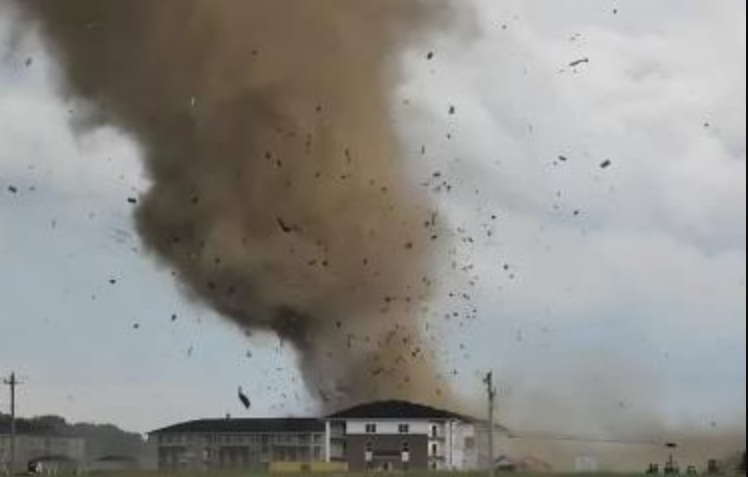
(400, 436)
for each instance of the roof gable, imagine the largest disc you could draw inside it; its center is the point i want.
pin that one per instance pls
(398, 410)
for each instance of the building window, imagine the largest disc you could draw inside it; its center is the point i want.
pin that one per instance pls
(434, 450)
(371, 428)
(404, 429)
(369, 452)
(434, 431)
(406, 447)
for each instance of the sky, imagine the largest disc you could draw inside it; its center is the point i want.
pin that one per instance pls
(629, 280)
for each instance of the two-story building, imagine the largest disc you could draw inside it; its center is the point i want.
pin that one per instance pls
(401, 436)
(247, 444)
(377, 437)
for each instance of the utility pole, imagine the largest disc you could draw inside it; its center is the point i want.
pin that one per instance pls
(13, 383)
(492, 393)
(672, 466)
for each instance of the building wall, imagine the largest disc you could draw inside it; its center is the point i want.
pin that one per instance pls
(192, 452)
(439, 445)
(374, 452)
(464, 447)
(443, 445)
(389, 427)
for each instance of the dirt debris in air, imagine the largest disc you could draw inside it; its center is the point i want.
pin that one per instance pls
(579, 62)
(244, 399)
(200, 146)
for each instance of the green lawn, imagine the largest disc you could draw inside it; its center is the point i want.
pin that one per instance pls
(245, 474)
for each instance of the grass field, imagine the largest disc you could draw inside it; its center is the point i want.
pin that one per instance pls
(246, 474)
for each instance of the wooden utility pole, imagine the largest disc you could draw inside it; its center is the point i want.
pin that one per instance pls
(492, 393)
(12, 383)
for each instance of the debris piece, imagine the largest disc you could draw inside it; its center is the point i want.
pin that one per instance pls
(579, 62)
(287, 229)
(606, 164)
(244, 399)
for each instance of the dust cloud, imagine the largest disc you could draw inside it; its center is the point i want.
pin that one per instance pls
(279, 195)
(281, 199)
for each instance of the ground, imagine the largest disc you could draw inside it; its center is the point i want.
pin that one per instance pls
(243, 474)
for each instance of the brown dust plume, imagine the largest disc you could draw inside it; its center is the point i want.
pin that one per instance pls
(279, 197)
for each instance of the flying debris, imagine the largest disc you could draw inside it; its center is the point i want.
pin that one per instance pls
(285, 228)
(579, 62)
(606, 164)
(244, 399)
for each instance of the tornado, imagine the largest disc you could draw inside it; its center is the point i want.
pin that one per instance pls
(279, 195)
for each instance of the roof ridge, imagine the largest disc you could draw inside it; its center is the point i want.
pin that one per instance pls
(392, 409)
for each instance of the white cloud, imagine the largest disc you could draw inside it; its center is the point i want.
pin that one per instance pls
(39, 147)
(643, 102)
(658, 245)
(666, 104)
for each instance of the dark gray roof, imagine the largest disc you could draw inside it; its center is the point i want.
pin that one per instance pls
(397, 410)
(22, 427)
(25, 428)
(246, 426)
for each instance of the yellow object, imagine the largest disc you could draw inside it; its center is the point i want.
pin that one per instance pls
(307, 467)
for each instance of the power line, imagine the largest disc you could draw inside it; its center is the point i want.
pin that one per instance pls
(588, 439)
